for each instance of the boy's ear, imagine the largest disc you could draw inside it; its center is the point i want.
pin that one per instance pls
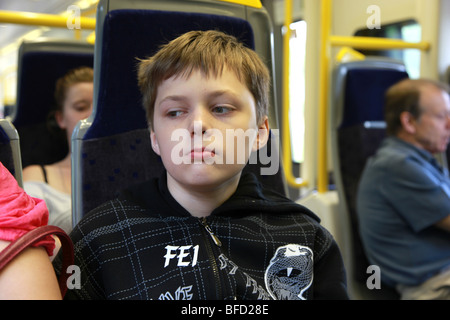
(154, 141)
(263, 135)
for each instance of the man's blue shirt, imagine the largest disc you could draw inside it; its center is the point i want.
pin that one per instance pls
(402, 193)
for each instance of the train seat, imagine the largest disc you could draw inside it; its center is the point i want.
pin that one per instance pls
(10, 149)
(40, 63)
(111, 149)
(357, 129)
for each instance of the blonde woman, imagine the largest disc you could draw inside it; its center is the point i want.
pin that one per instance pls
(73, 95)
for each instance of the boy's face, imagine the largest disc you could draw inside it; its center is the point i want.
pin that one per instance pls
(199, 126)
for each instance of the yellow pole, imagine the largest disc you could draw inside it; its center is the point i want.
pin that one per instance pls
(322, 174)
(286, 139)
(41, 19)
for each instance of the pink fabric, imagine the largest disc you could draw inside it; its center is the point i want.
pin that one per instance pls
(20, 213)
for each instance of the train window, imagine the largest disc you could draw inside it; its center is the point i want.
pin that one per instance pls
(408, 30)
(297, 45)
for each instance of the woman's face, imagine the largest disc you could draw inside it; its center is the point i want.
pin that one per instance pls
(76, 107)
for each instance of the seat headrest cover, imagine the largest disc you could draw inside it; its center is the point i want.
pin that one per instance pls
(39, 72)
(364, 94)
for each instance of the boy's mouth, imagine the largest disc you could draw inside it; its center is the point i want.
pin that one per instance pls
(202, 153)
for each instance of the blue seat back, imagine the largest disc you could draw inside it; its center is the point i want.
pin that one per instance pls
(357, 129)
(112, 149)
(40, 64)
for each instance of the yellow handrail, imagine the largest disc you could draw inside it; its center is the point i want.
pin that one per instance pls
(42, 19)
(250, 3)
(376, 43)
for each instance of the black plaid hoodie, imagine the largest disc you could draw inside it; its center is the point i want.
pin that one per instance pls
(256, 245)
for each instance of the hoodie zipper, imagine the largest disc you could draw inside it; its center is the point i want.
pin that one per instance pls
(210, 232)
(212, 258)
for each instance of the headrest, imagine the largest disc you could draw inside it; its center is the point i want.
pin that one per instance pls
(364, 94)
(36, 87)
(129, 35)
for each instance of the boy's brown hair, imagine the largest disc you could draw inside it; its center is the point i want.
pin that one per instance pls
(207, 51)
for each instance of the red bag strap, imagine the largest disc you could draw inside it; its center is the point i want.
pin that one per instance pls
(17, 246)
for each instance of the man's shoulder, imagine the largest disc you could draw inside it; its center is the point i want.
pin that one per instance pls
(394, 157)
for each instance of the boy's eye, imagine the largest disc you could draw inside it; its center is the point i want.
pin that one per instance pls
(174, 113)
(221, 109)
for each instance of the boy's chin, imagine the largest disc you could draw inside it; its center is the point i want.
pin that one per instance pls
(203, 174)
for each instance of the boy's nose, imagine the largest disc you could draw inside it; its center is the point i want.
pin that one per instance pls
(199, 123)
(197, 128)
